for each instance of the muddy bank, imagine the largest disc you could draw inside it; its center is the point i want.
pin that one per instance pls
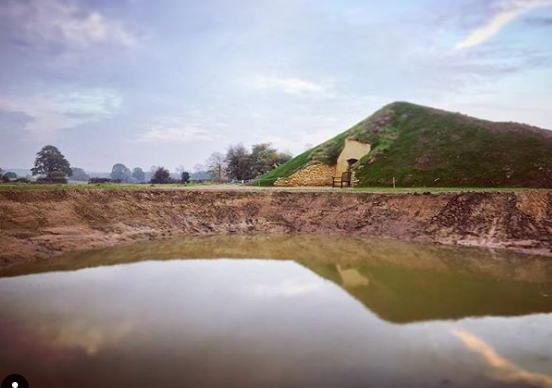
(39, 224)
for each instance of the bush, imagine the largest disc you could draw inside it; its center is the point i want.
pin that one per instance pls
(11, 175)
(96, 181)
(52, 180)
(185, 177)
(162, 176)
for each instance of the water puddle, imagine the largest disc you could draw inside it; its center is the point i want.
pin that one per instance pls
(298, 311)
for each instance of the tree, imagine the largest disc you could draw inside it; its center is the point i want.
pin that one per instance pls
(150, 173)
(283, 157)
(180, 169)
(161, 175)
(216, 165)
(201, 176)
(1, 173)
(121, 172)
(139, 174)
(238, 162)
(178, 172)
(10, 175)
(198, 167)
(57, 177)
(185, 177)
(264, 158)
(80, 175)
(51, 165)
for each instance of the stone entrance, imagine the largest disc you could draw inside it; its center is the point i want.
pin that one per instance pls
(352, 153)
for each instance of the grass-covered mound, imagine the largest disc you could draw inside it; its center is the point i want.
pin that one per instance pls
(422, 146)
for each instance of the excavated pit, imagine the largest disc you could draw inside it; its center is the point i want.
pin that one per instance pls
(38, 224)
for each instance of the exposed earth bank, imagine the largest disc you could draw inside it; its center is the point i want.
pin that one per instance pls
(40, 224)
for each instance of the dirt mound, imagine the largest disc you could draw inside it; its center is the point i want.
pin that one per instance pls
(39, 224)
(418, 146)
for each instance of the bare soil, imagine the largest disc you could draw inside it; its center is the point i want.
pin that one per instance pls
(38, 224)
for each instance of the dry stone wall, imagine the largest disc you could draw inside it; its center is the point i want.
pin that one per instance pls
(313, 175)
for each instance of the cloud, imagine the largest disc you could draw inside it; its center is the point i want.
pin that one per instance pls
(50, 113)
(302, 140)
(176, 134)
(59, 23)
(290, 85)
(287, 288)
(14, 120)
(87, 103)
(499, 367)
(539, 22)
(507, 12)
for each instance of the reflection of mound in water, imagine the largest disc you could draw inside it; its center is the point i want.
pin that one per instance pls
(232, 323)
(404, 295)
(348, 252)
(400, 282)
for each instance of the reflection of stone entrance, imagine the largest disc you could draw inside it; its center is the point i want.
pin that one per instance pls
(352, 278)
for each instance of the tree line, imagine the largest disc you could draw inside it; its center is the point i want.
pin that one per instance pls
(237, 164)
(241, 164)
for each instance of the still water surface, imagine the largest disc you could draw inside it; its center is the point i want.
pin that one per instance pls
(279, 312)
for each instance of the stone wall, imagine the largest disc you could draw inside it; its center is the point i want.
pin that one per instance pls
(313, 175)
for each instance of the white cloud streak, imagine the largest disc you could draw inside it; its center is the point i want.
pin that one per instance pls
(57, 111)
(176, 134)
(507, 12)
(61, 22)
(288, 288)
(290, 85)
(302, 140)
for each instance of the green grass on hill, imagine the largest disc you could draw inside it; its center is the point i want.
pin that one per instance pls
(425, 147)
(286, 169)
(327, 152)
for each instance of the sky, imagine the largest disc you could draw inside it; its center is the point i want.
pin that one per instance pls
(168, 82)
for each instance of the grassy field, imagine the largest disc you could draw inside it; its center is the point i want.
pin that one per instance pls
(234, 187)
(103, 186)
(421, 146)
(435, 190)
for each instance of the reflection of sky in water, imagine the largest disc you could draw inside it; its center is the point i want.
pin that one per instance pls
(242, 323)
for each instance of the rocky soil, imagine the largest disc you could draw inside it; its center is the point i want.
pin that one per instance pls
(313, 175)
(38, 224)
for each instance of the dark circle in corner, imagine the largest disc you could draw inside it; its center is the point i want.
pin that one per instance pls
(20, 380)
